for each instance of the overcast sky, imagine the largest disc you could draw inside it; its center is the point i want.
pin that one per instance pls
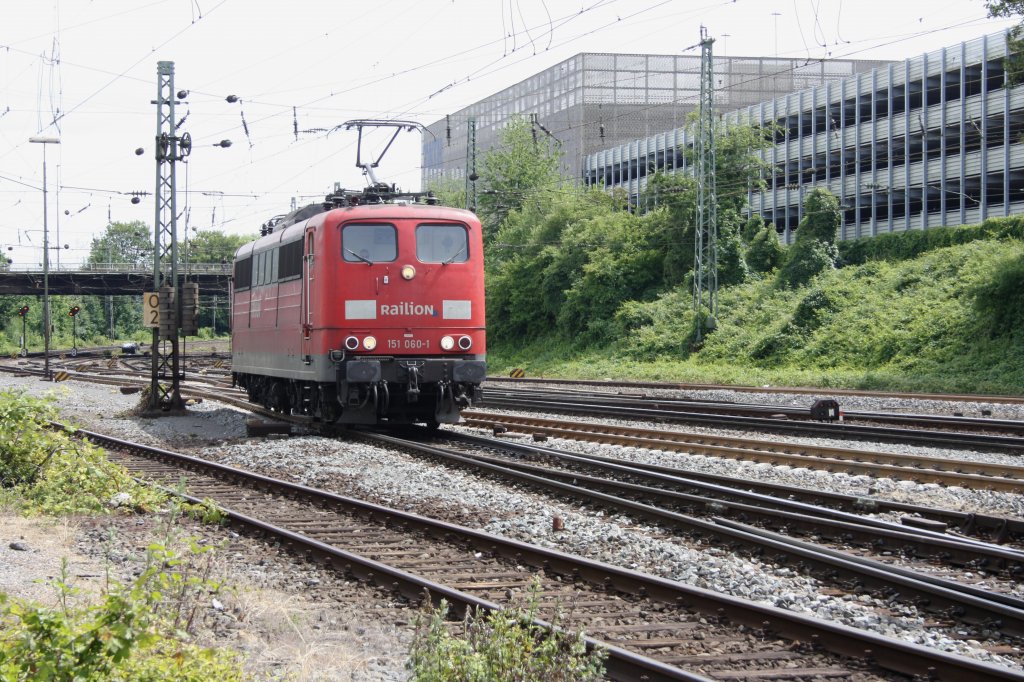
(91, 65)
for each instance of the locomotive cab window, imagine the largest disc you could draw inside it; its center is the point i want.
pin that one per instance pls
(369, 243)
(442, 243)
(243, 273)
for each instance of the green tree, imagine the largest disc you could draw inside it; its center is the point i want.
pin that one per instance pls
(814, 249)
(522, 168)
(1005, 9)
(121, 246)
(530, 265)
(737, 163)
(215, 247)
(619, 264)
(822, 216)
(737, 170)
(124, 244)
(676, 196)
(449, 191)
(561, 264)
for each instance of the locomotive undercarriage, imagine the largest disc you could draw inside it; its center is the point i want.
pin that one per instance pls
(375, 391)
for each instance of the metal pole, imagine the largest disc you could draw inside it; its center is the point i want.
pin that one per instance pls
(46, 259)
(46, 280)
(110, 299)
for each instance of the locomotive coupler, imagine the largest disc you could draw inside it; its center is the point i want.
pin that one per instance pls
(412, 394)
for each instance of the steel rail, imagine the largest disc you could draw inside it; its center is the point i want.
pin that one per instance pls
(799, 390)
(966, 603)
(775, 411)
(891, 654)
(621, 664)
(1001, 528)
(822, 429)
(675, 441)
(670, 481)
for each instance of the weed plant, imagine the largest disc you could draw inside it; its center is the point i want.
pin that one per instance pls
(141, 631)
(46, 471)
(502, 646)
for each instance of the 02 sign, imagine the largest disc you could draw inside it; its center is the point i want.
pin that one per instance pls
(150, 309)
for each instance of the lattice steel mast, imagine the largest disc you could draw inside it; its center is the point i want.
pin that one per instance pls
(705, 253)
(471, 176)
(165, 393)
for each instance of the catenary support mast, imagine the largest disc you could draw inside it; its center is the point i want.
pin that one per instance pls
(165, 393)
(471, 176)
(705, 253)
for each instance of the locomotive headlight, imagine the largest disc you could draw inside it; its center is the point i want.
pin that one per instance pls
(447, 343)
(351, 343)
(369, 343)
(465, 343)
(408, 272)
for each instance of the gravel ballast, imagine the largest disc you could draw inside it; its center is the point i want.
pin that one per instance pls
(401, 480)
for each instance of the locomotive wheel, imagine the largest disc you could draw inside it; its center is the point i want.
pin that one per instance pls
(330, 410)
(293, 397)
(279, 398)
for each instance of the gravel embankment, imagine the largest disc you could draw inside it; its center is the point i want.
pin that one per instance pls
(401, 480)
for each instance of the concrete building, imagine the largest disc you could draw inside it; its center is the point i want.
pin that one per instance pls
(934, 140)
(594, 101)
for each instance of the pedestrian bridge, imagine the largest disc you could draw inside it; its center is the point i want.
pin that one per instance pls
(108, 279)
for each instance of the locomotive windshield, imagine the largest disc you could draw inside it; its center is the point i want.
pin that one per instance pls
(442, 243)
(369, 243)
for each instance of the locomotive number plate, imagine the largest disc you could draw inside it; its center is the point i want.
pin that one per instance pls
(408, 344)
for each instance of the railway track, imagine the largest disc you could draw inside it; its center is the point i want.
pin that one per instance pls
(858, 462)
(654, 629)
(819, 419)
(782, 390)
(701, 511)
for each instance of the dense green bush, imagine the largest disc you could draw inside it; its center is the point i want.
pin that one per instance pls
(26, 445)
(732, 267)
(805, 259)
(53, 473)
(814, 250)
(899, 246)
(765, 252)
(660, 328)
(751, 228)
(948, 320)
(572, 268)
(503, 646)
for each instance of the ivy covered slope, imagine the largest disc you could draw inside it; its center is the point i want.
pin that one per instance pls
(926, 312)
(937, 322)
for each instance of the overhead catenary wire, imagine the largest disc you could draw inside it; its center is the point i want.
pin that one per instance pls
(265, 141)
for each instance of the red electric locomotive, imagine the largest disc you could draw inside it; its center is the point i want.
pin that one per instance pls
(363, 314)
(362, 311)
